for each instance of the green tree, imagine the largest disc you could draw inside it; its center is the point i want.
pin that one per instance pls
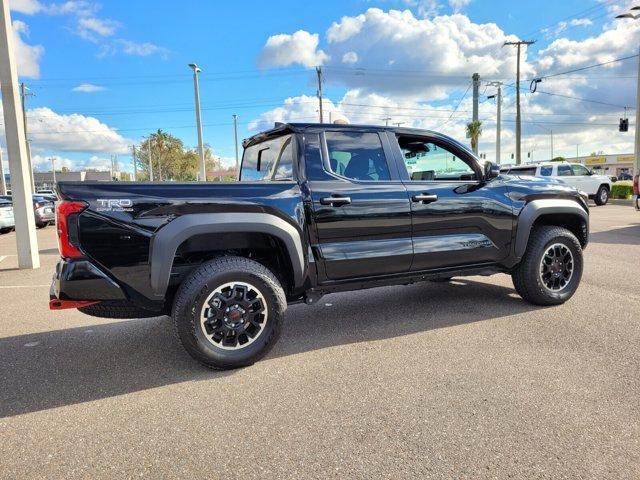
(558, 159)
(171, 160)
(474, 131)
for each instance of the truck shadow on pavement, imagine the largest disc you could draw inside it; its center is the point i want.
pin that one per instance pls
(620, 236)
(64, 367)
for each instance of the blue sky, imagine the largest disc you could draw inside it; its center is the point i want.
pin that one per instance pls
(134, 57)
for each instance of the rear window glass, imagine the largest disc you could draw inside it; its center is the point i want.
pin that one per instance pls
(546, 171)
(272, 159)
(523, 171)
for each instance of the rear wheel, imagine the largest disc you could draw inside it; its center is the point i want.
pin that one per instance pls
(5, 230)
(228, 312)
(602, 195)
(550, 271)
(42, 225)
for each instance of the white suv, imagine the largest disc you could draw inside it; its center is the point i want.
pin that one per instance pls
(577, 175)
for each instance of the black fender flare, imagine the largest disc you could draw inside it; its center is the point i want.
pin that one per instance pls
(535, 209)
(167, 240)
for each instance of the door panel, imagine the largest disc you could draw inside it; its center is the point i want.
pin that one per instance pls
(369, 236)
(457, 218)
(362, 227)
(468, 223)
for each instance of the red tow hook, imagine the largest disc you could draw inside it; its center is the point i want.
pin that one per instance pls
(56, 304)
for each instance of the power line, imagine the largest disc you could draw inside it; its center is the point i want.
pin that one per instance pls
(584, 99)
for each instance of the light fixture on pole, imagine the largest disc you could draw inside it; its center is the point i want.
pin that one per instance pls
(196, 87)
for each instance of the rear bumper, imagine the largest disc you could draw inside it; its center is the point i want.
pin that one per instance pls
(7, 222)
(42, 217)
(79, 279)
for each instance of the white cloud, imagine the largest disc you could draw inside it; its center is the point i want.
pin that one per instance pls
(49, 130)
(585, 22)
(27, 56)
(90, 28)
(87, 88)
(430, 56)
(283, 50)
(457, 5)
(129, 47)
(28, 7)
(350, 57)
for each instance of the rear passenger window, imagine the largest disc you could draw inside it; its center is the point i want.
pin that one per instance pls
(564, 171)
(357, 155)
(272, 159)
(546, 171)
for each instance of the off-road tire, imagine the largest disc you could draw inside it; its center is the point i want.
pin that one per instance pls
(195, 289)
(602, 196)
(117, 309)
(526, 277)
(5, 230)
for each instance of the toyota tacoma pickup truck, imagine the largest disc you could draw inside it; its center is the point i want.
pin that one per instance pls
(316, 209)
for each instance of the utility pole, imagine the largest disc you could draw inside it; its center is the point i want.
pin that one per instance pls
(498, 97)
(476, 85)
(519, 44)
(551, 132)
(386, 121)
(53, 171)
(3, 181)
(135, 164)
(319, 73)
(150, 161)
(399, 123)
(26, 240)
(196, 87)
(235, 142)
(23, 98)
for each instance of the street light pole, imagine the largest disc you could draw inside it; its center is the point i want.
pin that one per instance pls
(235, 140)
(636, 163)
(498, 97)
(53, 171)
(196, 86)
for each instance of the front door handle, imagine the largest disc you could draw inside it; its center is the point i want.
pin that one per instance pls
(335, 201)
(424, 198)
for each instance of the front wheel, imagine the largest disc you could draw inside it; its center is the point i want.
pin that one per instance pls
(551, 269)
(602, 196)
(228, 312)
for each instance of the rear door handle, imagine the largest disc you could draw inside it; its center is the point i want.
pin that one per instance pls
(335, 201)
(424, 198)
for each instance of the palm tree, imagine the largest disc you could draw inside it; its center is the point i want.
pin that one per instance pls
(474, 130)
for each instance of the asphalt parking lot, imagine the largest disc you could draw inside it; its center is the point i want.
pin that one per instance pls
(460, 380)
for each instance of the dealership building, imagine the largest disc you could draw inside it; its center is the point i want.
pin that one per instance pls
(608, 164)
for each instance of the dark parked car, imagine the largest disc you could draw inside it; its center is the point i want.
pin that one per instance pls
(317, 209)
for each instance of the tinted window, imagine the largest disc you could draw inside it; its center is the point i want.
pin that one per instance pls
(357, 155)
(546, 171)
(426, 160)
(259, 161)
(579, 170)
(529, 171)
(284, 169)
(564, 171)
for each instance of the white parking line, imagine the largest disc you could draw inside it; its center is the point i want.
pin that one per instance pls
(23, 286)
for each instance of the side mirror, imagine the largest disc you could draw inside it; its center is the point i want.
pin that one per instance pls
(491, 170)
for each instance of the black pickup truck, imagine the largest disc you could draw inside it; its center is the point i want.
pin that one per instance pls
(317, 209)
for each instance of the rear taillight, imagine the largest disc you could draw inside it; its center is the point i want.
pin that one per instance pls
(36, 205)
(64, 210)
